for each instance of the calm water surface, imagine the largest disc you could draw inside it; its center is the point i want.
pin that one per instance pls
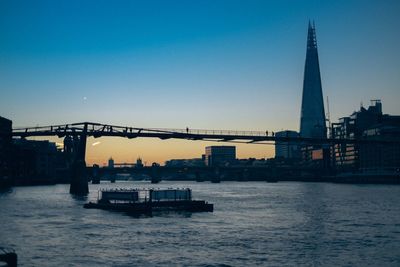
(254, 223)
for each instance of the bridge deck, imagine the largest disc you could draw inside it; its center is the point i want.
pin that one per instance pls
(99, 130)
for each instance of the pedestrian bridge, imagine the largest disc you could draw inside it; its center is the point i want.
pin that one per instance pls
(96, 130)
(80, 131)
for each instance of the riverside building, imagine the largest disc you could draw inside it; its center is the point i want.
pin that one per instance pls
(220, 155)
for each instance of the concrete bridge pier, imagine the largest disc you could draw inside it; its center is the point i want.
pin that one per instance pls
(216, 175)
(79, 179)
(95, 174)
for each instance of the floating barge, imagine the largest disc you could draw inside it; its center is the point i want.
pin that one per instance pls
(146, 201)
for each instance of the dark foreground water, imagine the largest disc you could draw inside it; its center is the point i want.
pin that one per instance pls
(254, 223)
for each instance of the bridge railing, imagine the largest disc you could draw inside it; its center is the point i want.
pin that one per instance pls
(98, 128)
(51, 128)
(209, 132)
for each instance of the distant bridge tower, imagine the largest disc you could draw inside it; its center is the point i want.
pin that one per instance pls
(110, 163)
(312, 121)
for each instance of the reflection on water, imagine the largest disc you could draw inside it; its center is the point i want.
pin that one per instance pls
(4, 191)
(253, 224)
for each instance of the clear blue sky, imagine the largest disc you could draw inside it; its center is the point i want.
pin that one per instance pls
(201, 64)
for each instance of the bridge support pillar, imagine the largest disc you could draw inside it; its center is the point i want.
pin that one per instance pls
(155, 174)
(79, 180)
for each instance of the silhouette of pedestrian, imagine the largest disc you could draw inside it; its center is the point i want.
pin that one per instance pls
(187, 130)
(266, 133)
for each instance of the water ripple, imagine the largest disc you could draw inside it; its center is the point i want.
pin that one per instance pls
(254, 224)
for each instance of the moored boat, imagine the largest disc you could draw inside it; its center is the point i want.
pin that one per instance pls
(145, 201)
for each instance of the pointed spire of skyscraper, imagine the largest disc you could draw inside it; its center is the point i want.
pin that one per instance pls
(311, 38)
(312, 122)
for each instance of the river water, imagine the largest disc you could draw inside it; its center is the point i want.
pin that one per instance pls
(254, 223)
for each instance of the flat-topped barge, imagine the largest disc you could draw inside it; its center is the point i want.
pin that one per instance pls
(145, 201)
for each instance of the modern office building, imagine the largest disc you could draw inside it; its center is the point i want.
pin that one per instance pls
(368, 123)
(380, 157)
(284, 149)
(312, 120)
(220, 155)
(36, 161)
(5, 149)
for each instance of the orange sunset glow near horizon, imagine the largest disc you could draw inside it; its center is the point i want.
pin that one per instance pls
(100, 150)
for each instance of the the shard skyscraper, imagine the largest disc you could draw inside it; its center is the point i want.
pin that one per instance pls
(312, 122)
